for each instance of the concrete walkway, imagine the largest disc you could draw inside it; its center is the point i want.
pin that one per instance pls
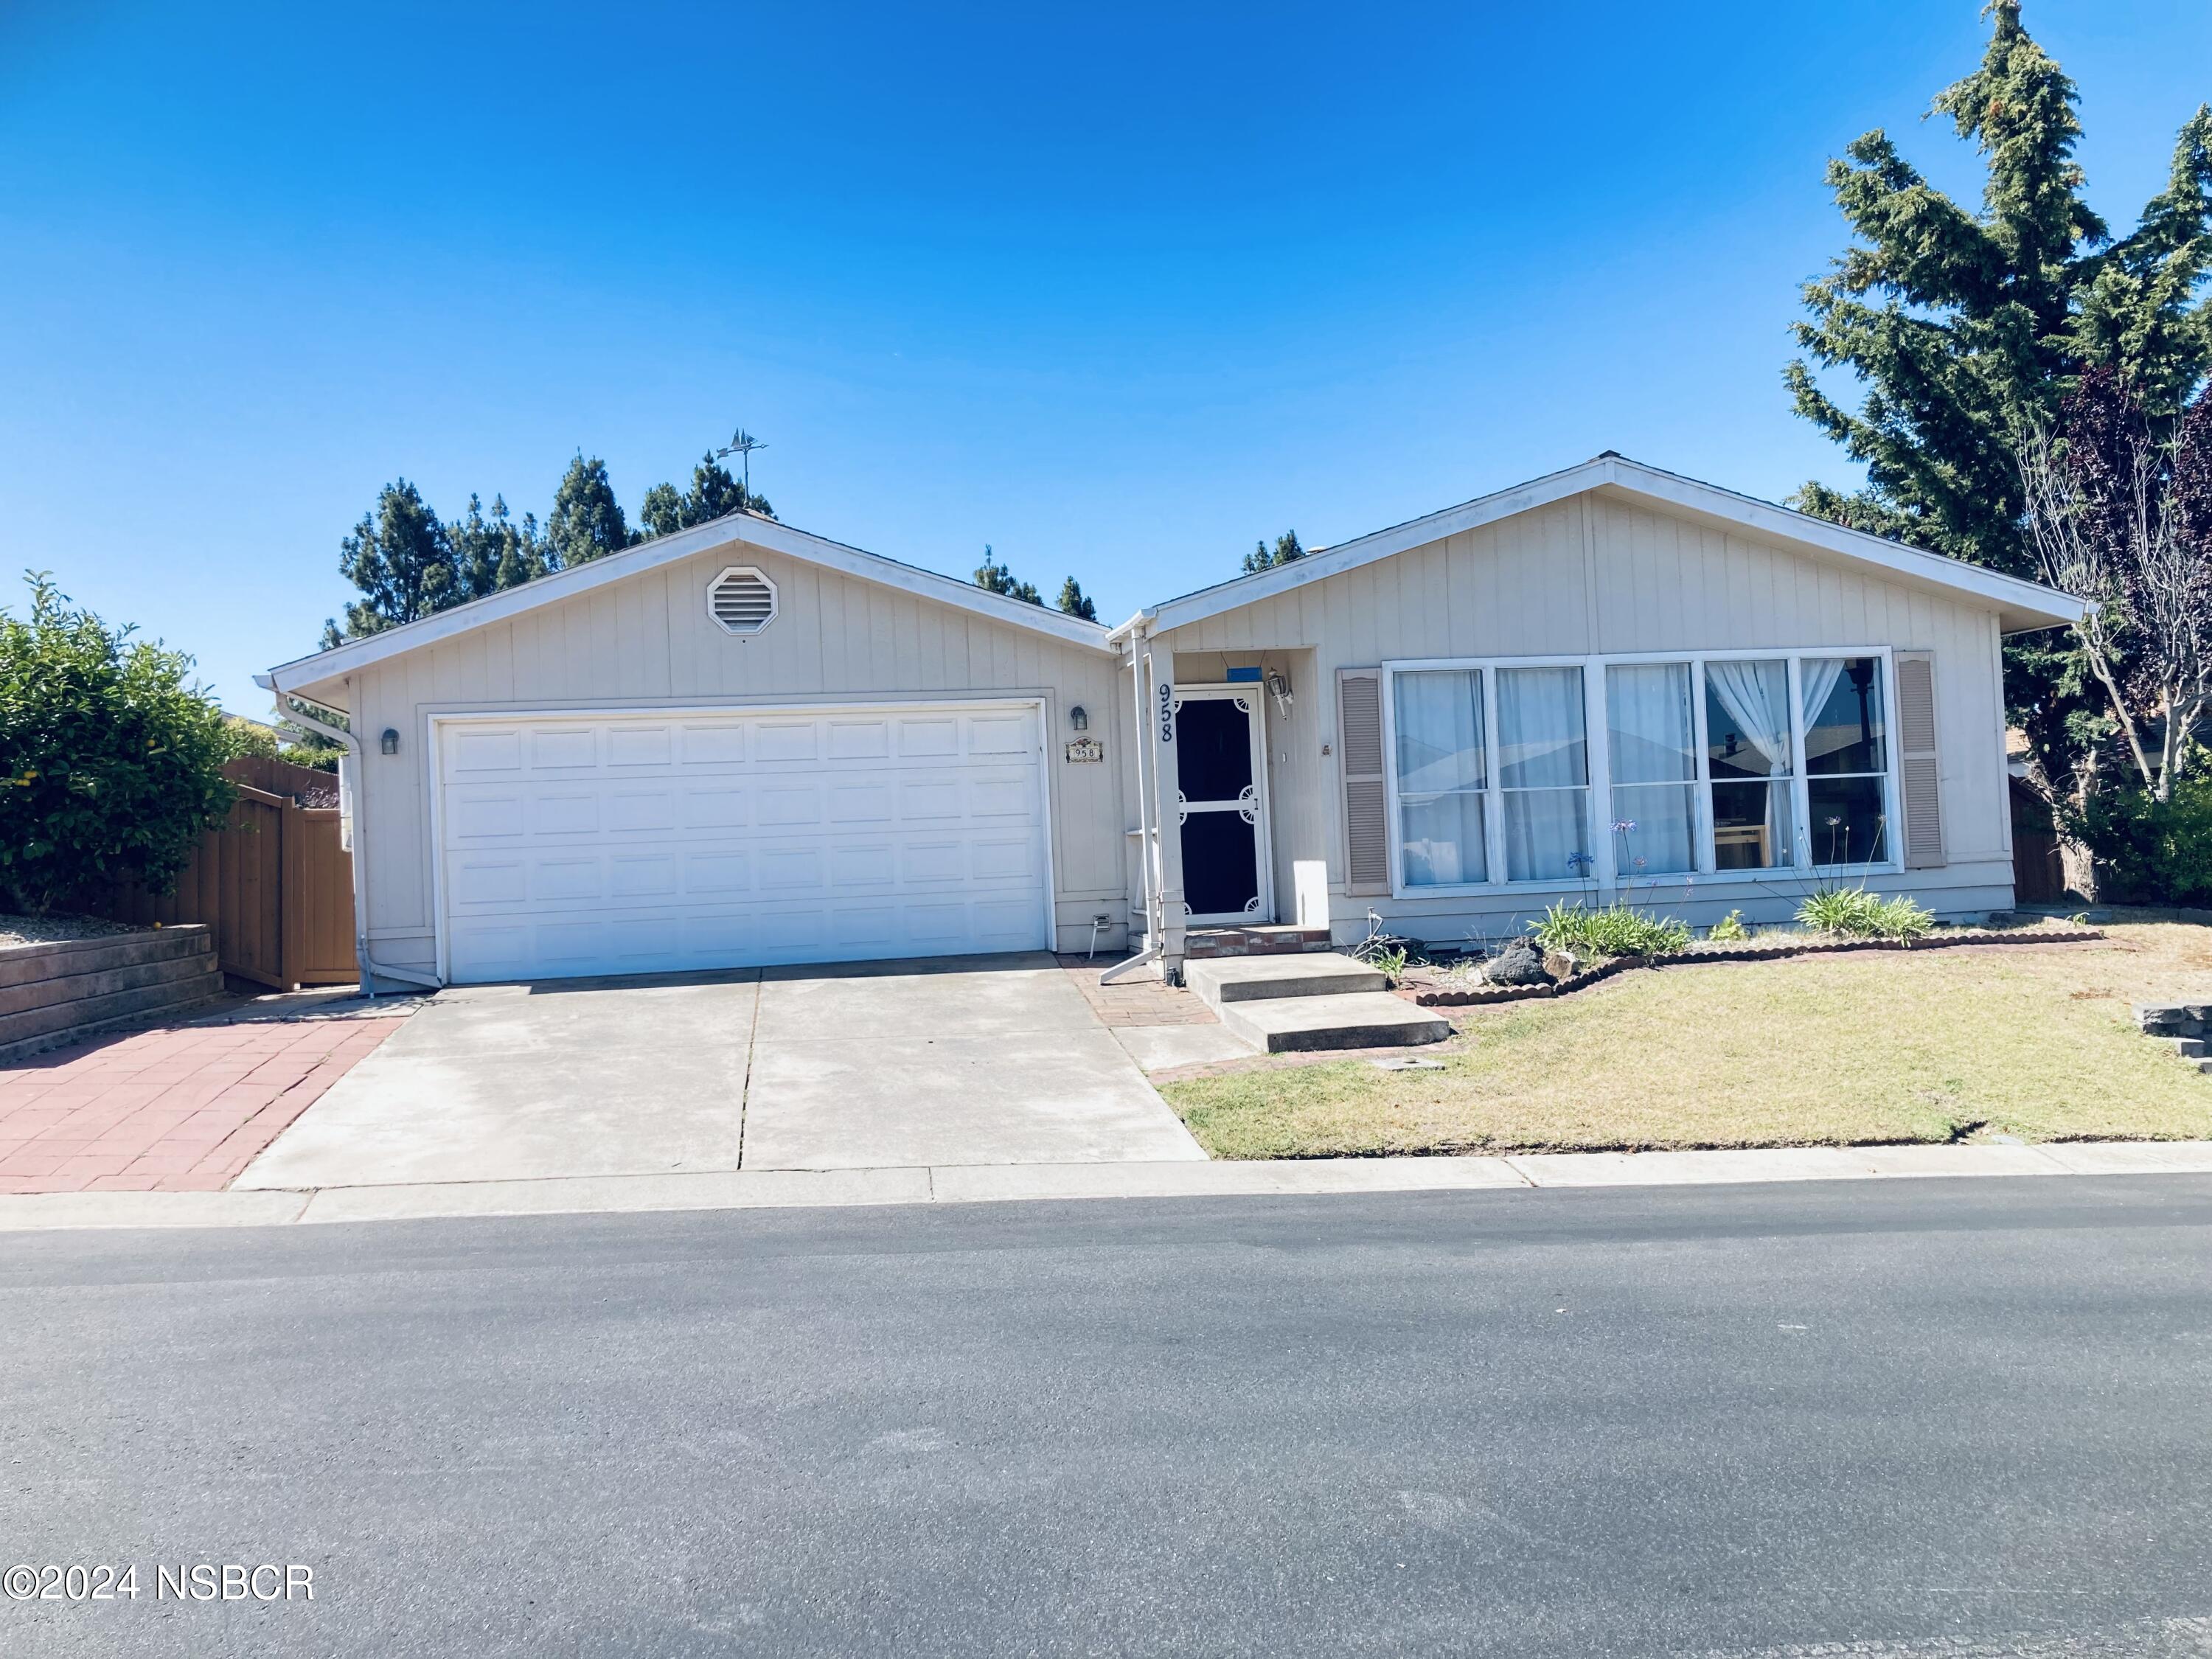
(977, 1061)
(1176, 1178)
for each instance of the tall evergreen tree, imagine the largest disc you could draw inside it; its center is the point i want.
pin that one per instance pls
(1967, 328)
(401, 559)
(1285, 551)
(714, 492)
(994, 577)
(586, 522)
(491, 551)
(1074, 602)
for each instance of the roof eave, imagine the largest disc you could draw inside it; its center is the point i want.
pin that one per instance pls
(741, 528)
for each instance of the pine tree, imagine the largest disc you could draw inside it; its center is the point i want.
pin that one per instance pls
(1074, 602)
(995, 578)
(1967, 330)
(586, 522)
(1263, 558)
(714, 493)
(491, 551)
(401, 559)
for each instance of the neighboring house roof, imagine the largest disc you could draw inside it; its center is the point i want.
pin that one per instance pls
(748, 528)
(2020, 606)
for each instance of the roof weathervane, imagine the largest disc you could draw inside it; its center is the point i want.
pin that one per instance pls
(742, 444)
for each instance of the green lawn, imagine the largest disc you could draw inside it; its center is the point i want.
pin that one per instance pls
(1930, 1045)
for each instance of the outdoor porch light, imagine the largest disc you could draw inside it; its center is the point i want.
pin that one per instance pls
(1077, 718)
(389, 742)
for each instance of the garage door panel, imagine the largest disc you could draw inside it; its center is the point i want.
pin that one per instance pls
(483, 881)
(859, 739)
(565, 813)
(786, 740)
(563, 749)
(639, 745)
(716, 743)
(633, 811)
(929, 800)
(860, 803)
(723, 807)
(1001, 795)
(582, 845)
(926, 737)
(865, 866)
(783, 870)
(481, 818)
(1010, 734)
(782, 803)
(484, 753)
(556, 879)
(717, 874)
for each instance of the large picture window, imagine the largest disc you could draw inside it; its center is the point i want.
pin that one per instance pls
(1715, 765)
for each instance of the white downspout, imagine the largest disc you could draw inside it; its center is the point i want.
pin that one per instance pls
(290, 709)
(1154, 931)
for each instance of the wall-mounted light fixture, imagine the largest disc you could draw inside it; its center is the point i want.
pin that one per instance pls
(1278, 688)
(389, 742)
(1077, 718)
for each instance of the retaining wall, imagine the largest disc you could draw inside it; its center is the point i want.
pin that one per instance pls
(52, 995)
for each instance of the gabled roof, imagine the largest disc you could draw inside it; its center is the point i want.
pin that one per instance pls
(2020, 606)
(748, 528)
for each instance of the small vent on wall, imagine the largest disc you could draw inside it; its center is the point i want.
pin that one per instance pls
(741, 600)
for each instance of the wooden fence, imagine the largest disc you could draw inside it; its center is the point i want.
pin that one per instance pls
(2038, 871)
(272, 881)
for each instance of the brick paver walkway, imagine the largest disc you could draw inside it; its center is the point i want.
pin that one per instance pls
(184, 1108)
(1136, 1001)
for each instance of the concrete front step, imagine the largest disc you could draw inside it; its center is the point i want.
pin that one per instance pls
(1357, 1019)
(1269, 978)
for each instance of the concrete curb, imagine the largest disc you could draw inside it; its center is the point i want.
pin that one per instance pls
(739, 1189)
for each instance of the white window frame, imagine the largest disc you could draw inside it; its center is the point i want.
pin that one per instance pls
(1604, 873)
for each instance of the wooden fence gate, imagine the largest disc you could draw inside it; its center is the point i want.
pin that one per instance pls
(272, 882)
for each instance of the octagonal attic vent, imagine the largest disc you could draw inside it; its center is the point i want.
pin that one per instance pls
(741, 600)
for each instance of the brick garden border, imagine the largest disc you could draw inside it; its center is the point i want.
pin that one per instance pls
(1441, 999)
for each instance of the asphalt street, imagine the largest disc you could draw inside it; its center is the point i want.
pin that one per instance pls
(1954, 1417)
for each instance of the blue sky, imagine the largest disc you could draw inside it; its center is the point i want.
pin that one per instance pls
(1118, 290)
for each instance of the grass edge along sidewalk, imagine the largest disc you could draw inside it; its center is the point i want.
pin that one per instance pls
(2030, 1040)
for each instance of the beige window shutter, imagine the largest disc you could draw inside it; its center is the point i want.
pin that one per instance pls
(1366, 815)
(1917, 770)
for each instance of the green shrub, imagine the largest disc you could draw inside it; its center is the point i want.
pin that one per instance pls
(1729, 928)
(111, 763)
(2150, 851)
(1615, 931)
(1854, 913)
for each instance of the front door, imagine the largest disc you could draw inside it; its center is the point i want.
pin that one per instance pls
(1221, 774)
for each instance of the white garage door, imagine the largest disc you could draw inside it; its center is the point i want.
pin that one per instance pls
(638, 844)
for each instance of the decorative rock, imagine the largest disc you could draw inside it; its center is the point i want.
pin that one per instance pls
(1519, 964)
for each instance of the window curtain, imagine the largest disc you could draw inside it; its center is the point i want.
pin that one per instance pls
(1441, 775)
(1754, 696)
(1651, 736)
(1757, 696)
(1439, 722)
(1820, 675)
(1543, 770)
(1540, 728)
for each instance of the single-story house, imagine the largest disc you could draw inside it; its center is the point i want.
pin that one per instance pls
(746, 745)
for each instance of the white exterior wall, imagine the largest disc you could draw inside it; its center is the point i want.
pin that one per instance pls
(1599, 574)
(648, 640)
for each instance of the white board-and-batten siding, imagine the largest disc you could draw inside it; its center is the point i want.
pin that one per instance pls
(1597, 575)
(649, 640)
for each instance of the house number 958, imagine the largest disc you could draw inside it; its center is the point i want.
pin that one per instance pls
(1167, 713)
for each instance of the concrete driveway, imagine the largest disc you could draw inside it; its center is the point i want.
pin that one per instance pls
(992, 1060)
